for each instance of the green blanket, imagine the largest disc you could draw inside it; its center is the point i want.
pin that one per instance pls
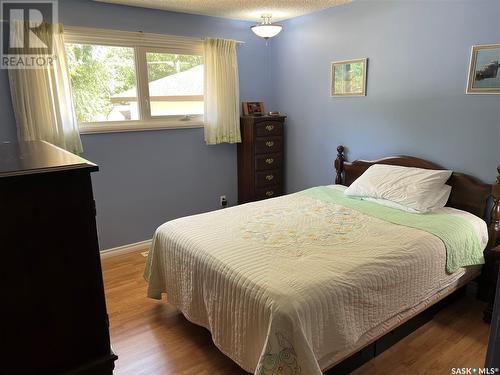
(458, 235)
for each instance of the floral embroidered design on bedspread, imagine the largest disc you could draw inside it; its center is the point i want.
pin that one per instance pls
(308, 222)
(283, 362)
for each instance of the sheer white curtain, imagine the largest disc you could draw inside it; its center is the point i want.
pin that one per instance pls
(42, 101)
(222, 93)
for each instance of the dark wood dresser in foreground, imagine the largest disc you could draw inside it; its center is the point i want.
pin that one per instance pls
(260, 158)
(53, 316)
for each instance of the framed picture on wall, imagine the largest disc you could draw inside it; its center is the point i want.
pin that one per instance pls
(349, 77)
(484, 70)
(253, 108)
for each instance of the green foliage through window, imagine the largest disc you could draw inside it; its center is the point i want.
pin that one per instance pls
(96, 74)
(161, 65)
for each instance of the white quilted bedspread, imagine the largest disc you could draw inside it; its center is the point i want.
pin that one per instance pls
(285, 285)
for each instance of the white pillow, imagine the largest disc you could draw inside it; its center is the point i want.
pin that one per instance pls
(414, 188)
(444, 196)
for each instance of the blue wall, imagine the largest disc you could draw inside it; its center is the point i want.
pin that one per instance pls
(418, 61)
(419, 55)
(147, 178)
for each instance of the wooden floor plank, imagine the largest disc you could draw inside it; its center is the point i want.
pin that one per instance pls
(151, 337)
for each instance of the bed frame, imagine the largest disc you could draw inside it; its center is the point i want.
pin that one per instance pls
(467, 194)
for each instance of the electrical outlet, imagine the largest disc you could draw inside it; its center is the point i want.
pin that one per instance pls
(223, 201)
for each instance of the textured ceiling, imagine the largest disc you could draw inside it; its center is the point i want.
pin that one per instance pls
(249, 10)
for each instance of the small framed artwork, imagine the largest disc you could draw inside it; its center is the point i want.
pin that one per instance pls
(484, 70)
(253, 108)
(349, 77)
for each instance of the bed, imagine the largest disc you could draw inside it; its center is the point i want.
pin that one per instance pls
(297, 284)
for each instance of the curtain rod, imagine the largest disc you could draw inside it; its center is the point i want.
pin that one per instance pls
(237, 41)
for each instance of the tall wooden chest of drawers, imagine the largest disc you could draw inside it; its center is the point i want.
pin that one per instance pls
(260, 158)
(53, 316)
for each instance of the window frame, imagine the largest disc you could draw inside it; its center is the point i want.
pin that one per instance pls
(143, 51)
(142, 43)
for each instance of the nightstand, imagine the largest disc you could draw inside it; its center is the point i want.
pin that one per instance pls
(490, 274)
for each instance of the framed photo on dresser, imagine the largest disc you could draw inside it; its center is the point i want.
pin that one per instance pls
(253, 108)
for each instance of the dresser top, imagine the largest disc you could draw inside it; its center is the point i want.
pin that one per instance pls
(265, 117)
(33, 157)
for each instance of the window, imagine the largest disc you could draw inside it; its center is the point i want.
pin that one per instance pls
(134, 81)
(175, 84)
(99, 76)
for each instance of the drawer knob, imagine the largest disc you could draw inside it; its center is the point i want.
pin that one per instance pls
(269, 193)
(270, 161)
(270, 177)
(270, 144)
(270, 128)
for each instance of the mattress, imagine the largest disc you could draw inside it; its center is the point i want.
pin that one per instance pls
(294, 284)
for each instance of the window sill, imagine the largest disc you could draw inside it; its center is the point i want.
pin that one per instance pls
(138, 126)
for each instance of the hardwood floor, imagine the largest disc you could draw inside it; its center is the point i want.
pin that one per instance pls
(151, 337)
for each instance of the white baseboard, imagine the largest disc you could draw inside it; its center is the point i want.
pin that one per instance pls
(126, 249)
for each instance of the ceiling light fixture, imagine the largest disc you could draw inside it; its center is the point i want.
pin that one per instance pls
(266, 29)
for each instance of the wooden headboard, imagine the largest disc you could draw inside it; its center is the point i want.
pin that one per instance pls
(467, 194)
